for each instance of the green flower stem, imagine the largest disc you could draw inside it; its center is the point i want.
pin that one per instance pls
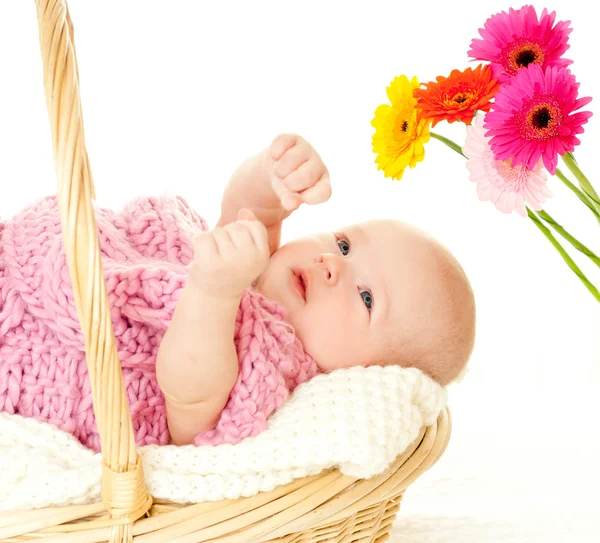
(564, 254)
(580, 194)
(573, 241)
(584, 183)
(448, 142)
(592, 200)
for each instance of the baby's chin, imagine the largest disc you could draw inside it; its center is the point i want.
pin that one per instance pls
(274, 291)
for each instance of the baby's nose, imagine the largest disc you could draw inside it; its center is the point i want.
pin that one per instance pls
(330, 264)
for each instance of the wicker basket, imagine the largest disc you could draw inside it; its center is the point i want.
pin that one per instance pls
(326, 507)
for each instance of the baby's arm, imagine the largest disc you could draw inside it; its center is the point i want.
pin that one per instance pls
(197, 363)
(274, 182)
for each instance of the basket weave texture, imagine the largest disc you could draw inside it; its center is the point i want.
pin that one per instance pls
(327, 507)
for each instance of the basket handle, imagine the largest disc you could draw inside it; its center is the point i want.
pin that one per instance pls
(123, 487)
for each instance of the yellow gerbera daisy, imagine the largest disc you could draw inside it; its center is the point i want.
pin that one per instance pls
(400, 133)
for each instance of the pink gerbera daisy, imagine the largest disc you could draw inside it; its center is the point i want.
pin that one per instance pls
(516, 39)
(507, 186)
(533, 116)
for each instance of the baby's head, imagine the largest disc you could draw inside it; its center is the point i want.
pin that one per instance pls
(376, 293)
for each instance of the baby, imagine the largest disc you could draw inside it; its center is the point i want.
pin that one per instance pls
(376, 293)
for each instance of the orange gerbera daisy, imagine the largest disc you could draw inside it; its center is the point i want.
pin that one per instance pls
(458, 97)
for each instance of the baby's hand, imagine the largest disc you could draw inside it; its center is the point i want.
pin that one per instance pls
(229, 258)
(296, 171)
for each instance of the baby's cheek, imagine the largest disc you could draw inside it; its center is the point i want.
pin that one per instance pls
(329, 341)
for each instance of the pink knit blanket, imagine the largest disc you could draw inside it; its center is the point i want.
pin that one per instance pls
(145, 252)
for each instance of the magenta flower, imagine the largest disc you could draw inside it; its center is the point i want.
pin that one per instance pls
(533, 117)
(508, 187)
(516, 39)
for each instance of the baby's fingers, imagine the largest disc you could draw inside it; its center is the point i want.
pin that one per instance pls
(281, 144)
(320, 192)
(306, 175)
(259, 235)
(204, 242)
(292, 159)
(288, 199)
(249, 230)
(227, 240)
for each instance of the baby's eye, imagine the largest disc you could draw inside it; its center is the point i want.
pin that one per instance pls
(367, 298)
(344, 246)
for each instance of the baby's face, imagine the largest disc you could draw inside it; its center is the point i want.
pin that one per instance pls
(347, 292)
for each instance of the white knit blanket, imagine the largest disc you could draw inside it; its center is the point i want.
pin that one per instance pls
(357, 420)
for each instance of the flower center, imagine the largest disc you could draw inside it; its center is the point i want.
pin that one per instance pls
(511, 178)
(525, 57)
(402, 126)
(540, 117)
(520, 53)
(400, 129)
(459, 98)
(403, 131)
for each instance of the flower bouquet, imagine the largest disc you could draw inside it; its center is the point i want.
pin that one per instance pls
(521, 111)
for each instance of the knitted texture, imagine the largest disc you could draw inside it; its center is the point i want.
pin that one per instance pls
(145, 250)
(357, 420)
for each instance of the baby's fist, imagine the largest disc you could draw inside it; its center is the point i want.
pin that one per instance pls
(296, 171)
(229, 258)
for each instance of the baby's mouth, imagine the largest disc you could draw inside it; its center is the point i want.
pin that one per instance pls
(300, 283)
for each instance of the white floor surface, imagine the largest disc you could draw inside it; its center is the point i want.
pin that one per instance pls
(522, 466)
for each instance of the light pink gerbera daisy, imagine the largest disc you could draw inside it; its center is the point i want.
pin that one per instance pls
(516, 39)
(533, 116)
(508, 187)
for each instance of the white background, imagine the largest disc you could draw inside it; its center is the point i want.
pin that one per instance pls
(177, 94)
